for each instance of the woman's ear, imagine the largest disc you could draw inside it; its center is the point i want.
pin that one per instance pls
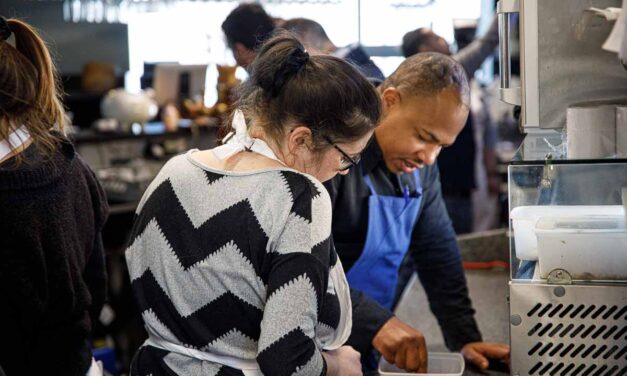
(299, 137)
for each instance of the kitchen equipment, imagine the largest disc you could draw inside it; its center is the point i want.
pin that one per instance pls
(565, 330)
(591, 131)
(561, 59)
(442, 364)
(524, 219)
(568, 281)
(565, 243)
(621, 131)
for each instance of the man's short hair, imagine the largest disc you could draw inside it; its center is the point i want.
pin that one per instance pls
(413, 40)
(428, 73)
(248, 24)
(310, 33)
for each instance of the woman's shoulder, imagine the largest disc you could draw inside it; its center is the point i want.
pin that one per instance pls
(304, 185)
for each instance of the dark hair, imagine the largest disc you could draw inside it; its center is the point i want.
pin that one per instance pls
(413, 40)
(427, 74)
(29, 88)
(324, 93)
(248, 24)
(309, 32)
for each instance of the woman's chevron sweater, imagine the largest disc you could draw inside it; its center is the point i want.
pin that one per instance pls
(234, 263)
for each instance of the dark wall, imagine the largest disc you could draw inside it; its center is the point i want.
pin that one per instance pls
(73, 44)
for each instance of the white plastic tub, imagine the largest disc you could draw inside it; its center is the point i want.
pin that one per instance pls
(587, 247)
(524, 220)
(443, 364)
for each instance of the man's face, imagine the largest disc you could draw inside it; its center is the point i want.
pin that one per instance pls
(414, 129)
(243, 56)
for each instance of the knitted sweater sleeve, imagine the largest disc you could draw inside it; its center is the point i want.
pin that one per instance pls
(297, 283)
(95, 273)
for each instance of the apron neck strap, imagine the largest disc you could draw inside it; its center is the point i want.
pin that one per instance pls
(241, 141)
(373, 192)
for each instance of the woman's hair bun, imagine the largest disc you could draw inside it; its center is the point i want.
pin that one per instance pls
(277, 61)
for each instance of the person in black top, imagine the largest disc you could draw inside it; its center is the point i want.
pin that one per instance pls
(391, 205)
(52, 210)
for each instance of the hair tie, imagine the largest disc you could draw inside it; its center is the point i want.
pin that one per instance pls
(5, 30)
(293, 64)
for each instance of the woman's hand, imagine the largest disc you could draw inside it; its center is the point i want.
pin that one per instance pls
(344, 361)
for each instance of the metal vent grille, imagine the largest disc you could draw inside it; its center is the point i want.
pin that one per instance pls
(577, 333)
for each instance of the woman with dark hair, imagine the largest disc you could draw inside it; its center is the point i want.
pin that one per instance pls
(231, 256)
(52, 210)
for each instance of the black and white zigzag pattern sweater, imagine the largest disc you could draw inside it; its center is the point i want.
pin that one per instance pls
(234, 263)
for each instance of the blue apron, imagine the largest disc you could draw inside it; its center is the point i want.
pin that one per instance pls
(391, 221)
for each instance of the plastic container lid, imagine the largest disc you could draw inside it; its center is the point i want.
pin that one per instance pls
(443, 364)
(583, 224)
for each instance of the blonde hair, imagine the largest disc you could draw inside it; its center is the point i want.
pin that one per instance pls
(29, 88)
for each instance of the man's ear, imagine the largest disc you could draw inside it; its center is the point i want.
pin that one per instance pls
(391, 97)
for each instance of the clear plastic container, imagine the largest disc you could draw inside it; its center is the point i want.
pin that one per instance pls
(443, 364)
(587, 247)
(524, 219)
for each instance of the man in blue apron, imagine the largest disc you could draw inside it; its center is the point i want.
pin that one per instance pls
(391, 205)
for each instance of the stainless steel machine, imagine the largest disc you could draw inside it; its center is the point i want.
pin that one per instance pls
(567, 192)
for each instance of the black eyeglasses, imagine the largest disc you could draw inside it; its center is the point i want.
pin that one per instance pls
(347, 160)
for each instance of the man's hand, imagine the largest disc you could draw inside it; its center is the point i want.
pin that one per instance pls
(402, 345)
(478, 353)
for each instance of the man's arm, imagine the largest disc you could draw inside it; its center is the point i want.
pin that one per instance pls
(472, 56)
(439, 266)
(375, 326)
(368, 317)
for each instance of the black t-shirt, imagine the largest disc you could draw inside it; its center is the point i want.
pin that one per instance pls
(457, 163)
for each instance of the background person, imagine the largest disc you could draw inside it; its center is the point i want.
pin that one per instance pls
(315, 39)
(245, 29)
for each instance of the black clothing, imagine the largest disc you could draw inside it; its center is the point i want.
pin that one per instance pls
(52, 272)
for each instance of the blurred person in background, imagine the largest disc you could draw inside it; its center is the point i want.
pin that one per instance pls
(315, 39)
(245, 29)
